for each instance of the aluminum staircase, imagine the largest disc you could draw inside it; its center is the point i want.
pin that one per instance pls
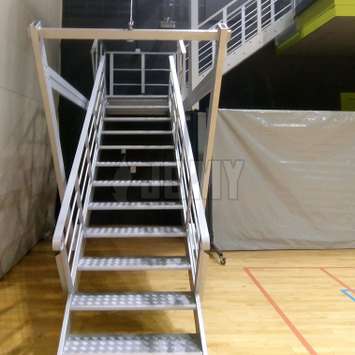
(133, 176)
(253, 25)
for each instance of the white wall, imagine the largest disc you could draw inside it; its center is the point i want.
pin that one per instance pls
(27, 185)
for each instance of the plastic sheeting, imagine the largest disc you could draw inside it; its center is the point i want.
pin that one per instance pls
(284, 180)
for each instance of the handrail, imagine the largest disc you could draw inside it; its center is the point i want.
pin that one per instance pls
(220, 11)
(246, 22)
(140, 85)
(194, 193)
(68, 233)
(74, 173)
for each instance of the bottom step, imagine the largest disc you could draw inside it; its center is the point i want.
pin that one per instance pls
(177, 344)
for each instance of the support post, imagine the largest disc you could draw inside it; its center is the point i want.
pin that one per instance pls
(142, 73)
(49, 106)
(259, 16)
(194, 46)
(272, 5)
(112, 73)
(224, 35)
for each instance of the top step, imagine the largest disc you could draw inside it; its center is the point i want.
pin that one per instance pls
(137, 105)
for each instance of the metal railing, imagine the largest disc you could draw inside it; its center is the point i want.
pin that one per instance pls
(198, 239)
(245, 21)
(68, 234)
(71, 223)
(138, 72)
(182, 66)
(97, 51)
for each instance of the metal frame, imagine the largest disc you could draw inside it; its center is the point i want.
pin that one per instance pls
(49, 106)
(247, 22)
(213, 108)
(61, 86)
(253, 24)
(68, 239)
(49, 81)
(142, 69)
(68, 235)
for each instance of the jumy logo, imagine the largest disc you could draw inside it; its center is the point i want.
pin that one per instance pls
(164, 183)
(226, 175)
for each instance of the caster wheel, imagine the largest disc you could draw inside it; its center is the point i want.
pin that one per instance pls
(222, 260)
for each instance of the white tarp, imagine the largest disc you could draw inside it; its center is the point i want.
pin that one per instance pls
(284, 180)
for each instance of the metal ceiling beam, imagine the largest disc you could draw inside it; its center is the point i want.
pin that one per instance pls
(124, 34)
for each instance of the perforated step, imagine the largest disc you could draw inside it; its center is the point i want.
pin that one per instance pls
(132, 263)
(137, 119)
(158, 344)
(147, 301)
(113, 164)
(111, 206)
(136, 232)
(136, 132)
(134, 183)
(135, 147)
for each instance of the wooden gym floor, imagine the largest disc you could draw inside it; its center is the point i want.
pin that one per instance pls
(282, 302)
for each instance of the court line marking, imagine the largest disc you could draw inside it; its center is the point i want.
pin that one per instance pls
(281, 313)
(299, 267)
(335, 278)
(348, 293)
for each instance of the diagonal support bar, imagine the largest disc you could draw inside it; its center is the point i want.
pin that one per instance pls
(224, 36)
(60, 85)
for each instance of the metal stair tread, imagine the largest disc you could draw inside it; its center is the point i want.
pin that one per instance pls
(143, 183)
(144, 344)
(113, 106)
(138, 119)
(132, 263)
(132, 301)
(134, 205)
(135, 231)
(134, 132)
(134, 163)
(132, 147)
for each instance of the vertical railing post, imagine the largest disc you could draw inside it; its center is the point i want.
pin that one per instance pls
(259, 15)
(88, 161)
(272, 11)
(49, 107)
(194, 47)
(79, 202)
(213, 52)
(224, 35)
(242, 28)
(189, 202)
(64, 271)
(225, 16)
(184, 69)
(181, 66)
(111, 73)
(142, 73)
